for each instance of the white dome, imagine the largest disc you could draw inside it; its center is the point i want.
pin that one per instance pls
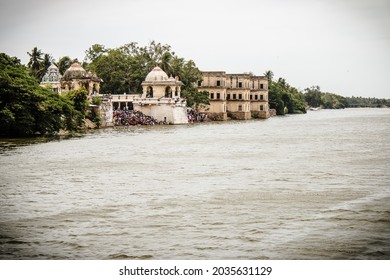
(157, 74)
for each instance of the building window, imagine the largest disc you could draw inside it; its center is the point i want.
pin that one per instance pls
(256, 97)
(261, 97)
(218, 83)
(240, 84)
(234, 96)
(261, 86)
(240, 96)
(218, 95)
(251, 97)
(239, 107)
(261, 108)
(211, 95)
(228, 97)
(199, 83)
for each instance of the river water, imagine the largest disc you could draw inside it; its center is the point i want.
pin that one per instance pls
(313, 186)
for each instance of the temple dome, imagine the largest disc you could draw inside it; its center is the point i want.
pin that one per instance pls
(75, 71)
(52, 75)
(157, 74)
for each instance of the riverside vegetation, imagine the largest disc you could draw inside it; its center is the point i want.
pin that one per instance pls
(28, 109)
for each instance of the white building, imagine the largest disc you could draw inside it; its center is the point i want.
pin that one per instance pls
(160, 98)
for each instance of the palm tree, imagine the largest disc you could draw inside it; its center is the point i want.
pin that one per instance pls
(47, 61)
(269, 75)
(63, 64)
(35, 61)
(45, 64)
(165, 63)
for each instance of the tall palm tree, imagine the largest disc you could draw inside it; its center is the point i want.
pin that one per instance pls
(35, 61)
(63, 64)
(269, 75)
(47, 61)
(165, 63)
(45, 64)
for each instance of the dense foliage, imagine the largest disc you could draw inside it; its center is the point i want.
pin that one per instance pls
(315, 98)
(367, 102)
(284, 98)
(318, 99)
(123, 69)
(27, 108)
(63, 64)
(38, 65)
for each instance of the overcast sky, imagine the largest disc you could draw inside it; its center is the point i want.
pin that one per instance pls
(341, 45)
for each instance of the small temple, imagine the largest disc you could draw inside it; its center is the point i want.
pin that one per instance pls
(52, 78)
(160, 98)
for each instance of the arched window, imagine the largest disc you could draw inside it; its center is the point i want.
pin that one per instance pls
(168, 92)
(149, 92)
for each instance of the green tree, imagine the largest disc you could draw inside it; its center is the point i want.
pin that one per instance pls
(115, 70)
(79, 102)
(285, 98)
(27, 108)
(123, 69)
(45, 64)
(94, 52)
(165, 63)
(63, 64)
(269, 75)
(35, 62)
(275, 98)
(313, 96)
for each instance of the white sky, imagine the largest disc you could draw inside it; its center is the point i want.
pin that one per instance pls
(341, 45)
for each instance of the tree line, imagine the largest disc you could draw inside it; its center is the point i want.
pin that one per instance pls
(286, 99)
(314, 97)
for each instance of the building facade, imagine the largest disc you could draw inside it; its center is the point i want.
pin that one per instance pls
(76, 77)
(237, 96)
(160, 98)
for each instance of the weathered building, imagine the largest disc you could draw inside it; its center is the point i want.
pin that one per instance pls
(259, 97)
(76, 77)
(238, 96)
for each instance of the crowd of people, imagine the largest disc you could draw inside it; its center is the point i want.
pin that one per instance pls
(194, 116)
(132, 117)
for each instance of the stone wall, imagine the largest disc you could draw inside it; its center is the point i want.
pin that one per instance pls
(106, 114)
(217, 116)
(169, 113)
(240, 115)
(260, 114)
